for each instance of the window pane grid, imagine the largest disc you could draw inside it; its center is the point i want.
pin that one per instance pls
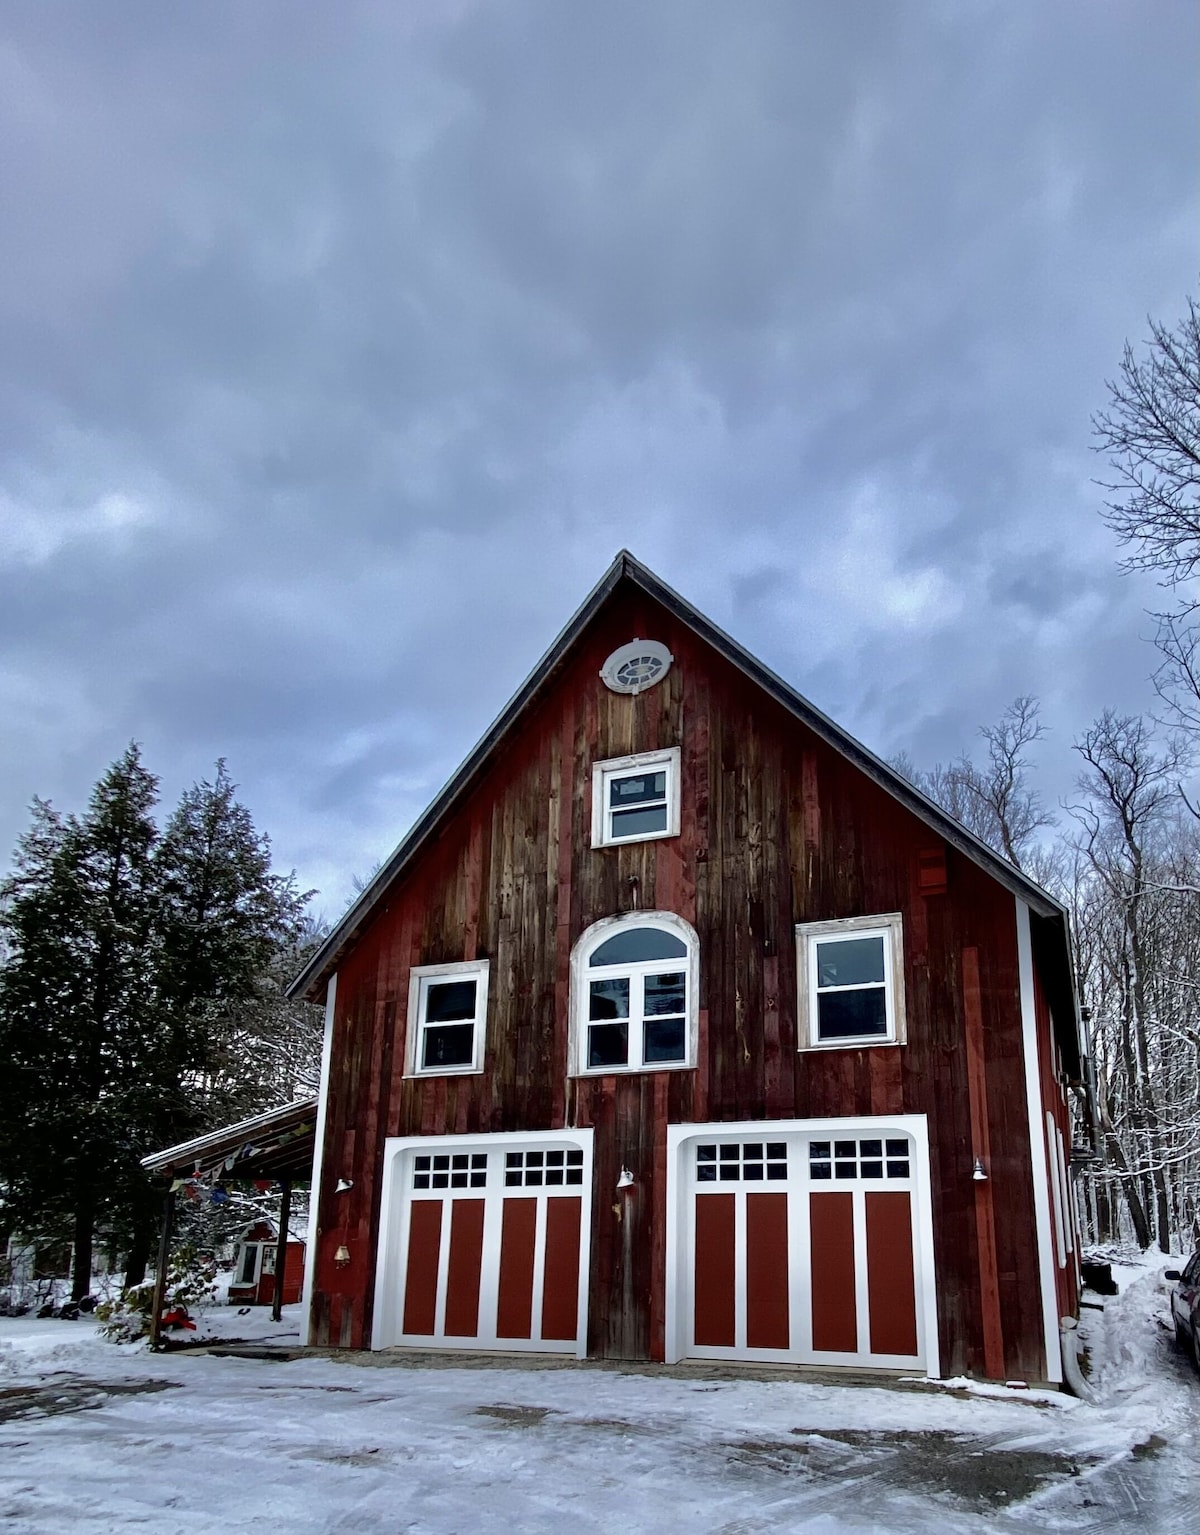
(634, 799)
(543, 1169)
(446, 1018)
(644, 1009)
(450, 1170)
(852, 982)
(843, 1160)
(742, 1162)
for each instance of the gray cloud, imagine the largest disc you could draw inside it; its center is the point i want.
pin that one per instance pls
(341, 349)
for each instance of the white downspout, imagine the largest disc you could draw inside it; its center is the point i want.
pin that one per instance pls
(1037, 1148)
(314, 1197)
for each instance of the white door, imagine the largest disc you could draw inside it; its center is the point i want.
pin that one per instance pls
(488, 1243)
(805, 1242)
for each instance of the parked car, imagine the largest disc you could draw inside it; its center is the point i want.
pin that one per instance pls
(1185, 1306)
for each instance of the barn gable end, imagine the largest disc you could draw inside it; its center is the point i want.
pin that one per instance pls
(783, 824)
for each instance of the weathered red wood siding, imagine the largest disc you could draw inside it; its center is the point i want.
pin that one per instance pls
(776, 829)
(1056, 1104)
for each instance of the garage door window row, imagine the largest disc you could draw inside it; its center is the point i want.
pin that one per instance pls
(858, 1159)
(542, 1169)
(450, 1170)
(742, 1162)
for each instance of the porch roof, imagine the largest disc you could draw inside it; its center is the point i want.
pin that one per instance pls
(276, 1144)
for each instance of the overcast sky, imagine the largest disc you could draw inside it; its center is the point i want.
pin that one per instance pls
(343, 345)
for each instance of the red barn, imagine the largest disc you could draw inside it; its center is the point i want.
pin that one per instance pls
(680, 1026)
(254, 1261)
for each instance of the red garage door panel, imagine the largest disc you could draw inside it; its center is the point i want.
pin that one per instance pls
(514, 1308)
(891, 1289)
(834, 1314)
(767, 1271)
(462, 1278)
(714, 1288)
(420, 1286)
(560, 1275)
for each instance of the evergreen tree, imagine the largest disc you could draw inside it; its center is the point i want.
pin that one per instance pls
(73, 1006)
(139, 974)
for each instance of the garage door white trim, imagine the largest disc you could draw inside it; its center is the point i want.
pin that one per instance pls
(396, 1207)
(682, 1141)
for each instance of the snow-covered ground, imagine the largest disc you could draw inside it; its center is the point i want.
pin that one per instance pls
(98, 1437)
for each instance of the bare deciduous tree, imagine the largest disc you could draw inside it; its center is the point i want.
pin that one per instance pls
(1151, 434)
(995, 801)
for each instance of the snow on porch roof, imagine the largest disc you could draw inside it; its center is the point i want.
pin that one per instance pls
(277, 1144)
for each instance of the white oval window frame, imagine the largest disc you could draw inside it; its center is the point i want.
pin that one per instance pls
(622, 661)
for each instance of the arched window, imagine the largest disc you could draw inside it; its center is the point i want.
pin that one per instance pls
(634, 986)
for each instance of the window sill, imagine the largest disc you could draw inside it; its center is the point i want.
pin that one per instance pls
(650, 836)
(849, 1044)
(632, 1071)
(446, 1071)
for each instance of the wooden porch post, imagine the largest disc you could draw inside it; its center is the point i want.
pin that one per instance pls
(285, 1216)
(160, 1277)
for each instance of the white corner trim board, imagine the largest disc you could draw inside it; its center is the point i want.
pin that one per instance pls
(314, 1195)
(1039, 1164)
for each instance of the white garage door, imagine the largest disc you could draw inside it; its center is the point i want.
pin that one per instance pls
(485, 1243)
(806, 1242)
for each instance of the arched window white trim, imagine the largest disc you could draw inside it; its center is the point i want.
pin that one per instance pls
(635, 986)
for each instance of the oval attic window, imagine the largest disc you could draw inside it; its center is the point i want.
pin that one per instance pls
(637, 666)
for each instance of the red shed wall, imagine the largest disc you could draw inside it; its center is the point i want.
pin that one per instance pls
(777, 829)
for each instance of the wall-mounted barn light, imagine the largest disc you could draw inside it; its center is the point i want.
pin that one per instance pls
(980, 1173)
(625, 1181)
(344, 1185)
(342, 1257)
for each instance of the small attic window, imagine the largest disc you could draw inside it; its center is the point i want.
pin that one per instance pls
(635, 799)
(637, 666)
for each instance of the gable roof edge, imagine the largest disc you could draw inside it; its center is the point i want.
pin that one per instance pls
(625, 566)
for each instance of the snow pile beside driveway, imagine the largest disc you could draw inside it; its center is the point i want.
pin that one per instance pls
(95, 1437)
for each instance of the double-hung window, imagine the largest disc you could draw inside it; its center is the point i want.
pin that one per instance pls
(851, 976)
(447, 1011)
(634, 981)
(635, 799)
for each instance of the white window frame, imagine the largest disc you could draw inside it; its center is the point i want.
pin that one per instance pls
(890, 928)
(419, 981)
(591, 940)
(603, 773)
